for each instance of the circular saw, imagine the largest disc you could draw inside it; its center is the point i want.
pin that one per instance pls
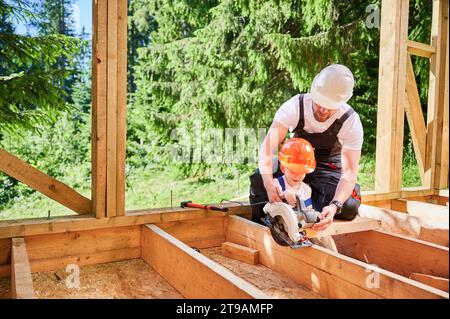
(289, 227)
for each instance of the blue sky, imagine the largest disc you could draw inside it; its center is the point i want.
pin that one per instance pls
(82, 12)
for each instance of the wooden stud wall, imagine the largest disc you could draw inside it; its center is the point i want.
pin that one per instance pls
(430, 137)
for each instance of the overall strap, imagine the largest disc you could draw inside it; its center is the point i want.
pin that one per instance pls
(301, 113)
(282, 184)
(337, 125)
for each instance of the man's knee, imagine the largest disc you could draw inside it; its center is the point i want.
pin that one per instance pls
(349, 209)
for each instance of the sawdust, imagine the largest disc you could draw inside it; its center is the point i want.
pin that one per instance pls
(270, 282)
(5, 288)
(130, 279)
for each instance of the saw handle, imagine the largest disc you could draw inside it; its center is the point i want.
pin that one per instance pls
(201, 206)
(311, 216)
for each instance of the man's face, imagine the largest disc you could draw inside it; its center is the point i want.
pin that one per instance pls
(322, 114)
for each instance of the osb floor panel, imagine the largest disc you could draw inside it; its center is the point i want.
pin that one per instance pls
(5, 288)
(129, 279)
(270, 282)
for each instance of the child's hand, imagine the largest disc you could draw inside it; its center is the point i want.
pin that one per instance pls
(290, 196)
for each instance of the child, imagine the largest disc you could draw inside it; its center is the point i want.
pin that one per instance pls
(296, 158)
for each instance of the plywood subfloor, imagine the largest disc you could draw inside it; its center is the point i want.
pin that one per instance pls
(267, 280)
(129, 279)
(5, 288)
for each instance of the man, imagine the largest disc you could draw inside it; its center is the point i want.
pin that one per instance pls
(334, 129)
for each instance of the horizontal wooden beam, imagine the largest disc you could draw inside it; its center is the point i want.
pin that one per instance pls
(433, 281)
(16, 228)
(408, 225)
(50, 187)
(22, 282)
(427, 211)
(200, 233)
(399, 254)
(189, 272)
(323, 271)
(373, 196)
(421, 49)
(345, 226)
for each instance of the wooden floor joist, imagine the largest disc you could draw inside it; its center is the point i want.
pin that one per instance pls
(399, 254)
(189, 272)
(22, 282)
(433, 281)
(328, 273)
(427, 211)
(408, 225)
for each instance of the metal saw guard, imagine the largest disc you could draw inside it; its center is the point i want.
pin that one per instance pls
(286, 212)
(289, 217)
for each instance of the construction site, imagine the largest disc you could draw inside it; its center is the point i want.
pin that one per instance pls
(396, 248)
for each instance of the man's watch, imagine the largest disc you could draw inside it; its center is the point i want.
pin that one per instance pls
(337, 204)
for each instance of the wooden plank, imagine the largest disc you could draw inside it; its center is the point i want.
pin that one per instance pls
(111, 114)
(439, 29)
(443, 158)
(439, 200)
(323, 271)
(430, 212)
(398, 205)
(82, 242)
(40, 226)
(391, 95)
(405, 224)
(399, 254)
(99, 106)
(189, 272)
(50, 187)
(415, 118)
(239, 252)
(22, 283)
(121, 103)
(438, 236)
(420, 49)
(100, 257)
(199, 233)
(433, 281)
(342, 227)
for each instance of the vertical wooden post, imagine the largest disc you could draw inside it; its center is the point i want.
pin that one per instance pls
(121, 104)
(99, 106)
(436, 93)
(109, 107)
(442, 178)
(391, 95)
(111, 139)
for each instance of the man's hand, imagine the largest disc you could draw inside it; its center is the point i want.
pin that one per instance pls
(274, 191)
(291, 198)
(326, 218)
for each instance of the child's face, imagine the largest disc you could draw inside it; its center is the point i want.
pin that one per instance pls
(292, 178)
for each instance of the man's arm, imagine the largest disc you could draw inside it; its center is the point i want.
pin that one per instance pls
(269, 146)
(350, 166)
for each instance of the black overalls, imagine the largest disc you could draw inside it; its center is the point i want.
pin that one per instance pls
(323, 181)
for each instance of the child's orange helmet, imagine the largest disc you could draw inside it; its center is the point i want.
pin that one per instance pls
(297, 155)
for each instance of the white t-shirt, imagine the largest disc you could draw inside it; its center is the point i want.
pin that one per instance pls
(350, 136)
(304, 191)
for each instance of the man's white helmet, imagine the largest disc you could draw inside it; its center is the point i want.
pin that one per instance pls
(333, 86)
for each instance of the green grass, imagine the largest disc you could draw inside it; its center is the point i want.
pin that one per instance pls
(151, 188)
